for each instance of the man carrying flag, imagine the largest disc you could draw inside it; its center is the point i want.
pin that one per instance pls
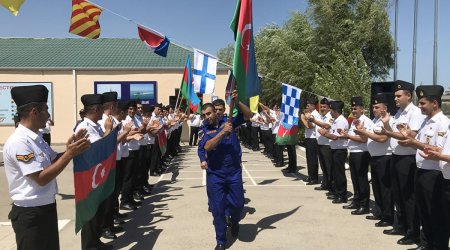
(31, 168)
(219, 142)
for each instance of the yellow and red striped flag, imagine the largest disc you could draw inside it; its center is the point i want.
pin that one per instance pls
(84, 21)
(12, 5)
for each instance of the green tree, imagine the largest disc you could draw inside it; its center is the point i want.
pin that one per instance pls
(226, 54)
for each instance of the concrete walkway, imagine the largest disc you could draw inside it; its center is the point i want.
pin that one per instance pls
(281, 212)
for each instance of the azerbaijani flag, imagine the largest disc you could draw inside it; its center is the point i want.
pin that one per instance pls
(162, 141)
(244, 63)
(287, 136)
(187, 88)
(94, 177)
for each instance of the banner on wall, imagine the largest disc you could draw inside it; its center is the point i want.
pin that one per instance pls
(8, 106)
(143, 91)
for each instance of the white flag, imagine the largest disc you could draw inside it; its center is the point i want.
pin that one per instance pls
(205, 67)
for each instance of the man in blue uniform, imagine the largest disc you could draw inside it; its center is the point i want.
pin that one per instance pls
(224, 173)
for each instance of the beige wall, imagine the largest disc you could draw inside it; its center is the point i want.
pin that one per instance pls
(66, 102)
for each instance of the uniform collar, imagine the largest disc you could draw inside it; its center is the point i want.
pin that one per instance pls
(436, 117)
(410, 105)
(26, 131)
(104, 117)
(90, 122)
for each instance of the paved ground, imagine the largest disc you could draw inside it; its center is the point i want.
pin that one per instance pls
(281, 212)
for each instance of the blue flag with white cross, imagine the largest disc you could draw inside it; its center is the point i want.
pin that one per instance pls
(204, 74)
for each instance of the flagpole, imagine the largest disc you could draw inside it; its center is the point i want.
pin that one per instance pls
(435, 48)
(416, 6)
(230, 112)
(178, 97)
(396, 40)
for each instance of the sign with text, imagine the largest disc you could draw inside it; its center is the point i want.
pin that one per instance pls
(8, 106)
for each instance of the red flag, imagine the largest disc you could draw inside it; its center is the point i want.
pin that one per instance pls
(84, 21)
(156, 41)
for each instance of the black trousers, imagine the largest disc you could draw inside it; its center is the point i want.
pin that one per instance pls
(120, 165)
(359, 167)
(446, 201)
(312, 158)
(429, 190)
(36, 228)
(255, 138)
(381, 186)
(129, 176)
(148, 162)
(141, 166)
(277, 151)
(325, 160)
(340, 181)
(193, 137)
(47, 138)
(267, 141)
(403, 168)
(92, 230)
(155, 163)
(292, 156)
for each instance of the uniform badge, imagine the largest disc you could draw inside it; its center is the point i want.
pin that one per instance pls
(376, 101)
(25, 158)
(421, 94)
(441, 134)
(211, 132)
(399, 86)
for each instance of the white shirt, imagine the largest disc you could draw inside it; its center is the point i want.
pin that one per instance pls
(276, 124)
(354, 146)
(254, 120)
(339, 123)
(378, 148)
(47, 128)
(443, 165)
(132, 144)
(196, 121)
(140, 120)
(432, 132)
(322, 140)
(411, 116)
(93, 129)
(119, 144)
(24, 153)
(264, 125)
(311, 132)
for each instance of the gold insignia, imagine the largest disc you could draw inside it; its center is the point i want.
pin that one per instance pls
(427, 140)
(421, 93)
(25, 158)
(376, 101)
(200, 136)
(399, 86)
(441, 134)
(354, 103)
(211, 132)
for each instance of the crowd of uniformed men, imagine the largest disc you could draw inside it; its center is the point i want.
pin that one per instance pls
(408, 154)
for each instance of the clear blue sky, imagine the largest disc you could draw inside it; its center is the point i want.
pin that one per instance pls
(204, 24)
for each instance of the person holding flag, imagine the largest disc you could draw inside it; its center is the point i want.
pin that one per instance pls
(31, 168)
(219, 142)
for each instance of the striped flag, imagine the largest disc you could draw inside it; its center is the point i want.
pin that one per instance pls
(84, 21)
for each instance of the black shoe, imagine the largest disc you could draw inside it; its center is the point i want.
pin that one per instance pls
(408, 240)
(321, 188)
(146, 191)
(138, 196)
(351, 206)
(279, 164)
(420, 247)
(361, 211)
(332, 197)
(117, 229)
(394, 231)
(136, 203)
(307, 179)
(382, 223)
(339, 200)
(234, 229)
(107, 234)
(103, 246)
(120, 216)
(330, 193)
(127, 206)
(313, 182)
(373, 217)
(118, 221)
(220, 247)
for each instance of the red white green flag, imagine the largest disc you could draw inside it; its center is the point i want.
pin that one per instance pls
(244, 63)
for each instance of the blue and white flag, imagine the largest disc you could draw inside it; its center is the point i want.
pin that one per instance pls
(290, 105)
(205, 67)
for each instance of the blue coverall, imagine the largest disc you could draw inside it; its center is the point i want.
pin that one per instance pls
(223, 176)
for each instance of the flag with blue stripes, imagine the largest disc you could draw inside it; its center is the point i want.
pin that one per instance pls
(205, 68)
